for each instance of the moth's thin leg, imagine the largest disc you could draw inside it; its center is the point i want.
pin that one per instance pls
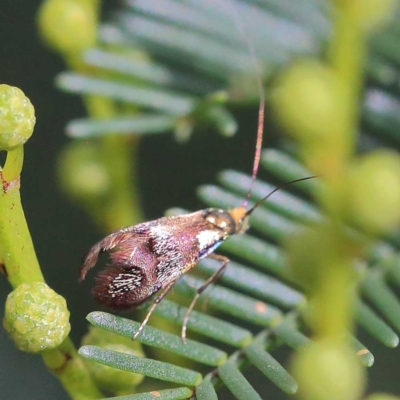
(153, 306)
(224, 261)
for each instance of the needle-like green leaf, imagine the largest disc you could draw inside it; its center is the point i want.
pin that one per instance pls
(166, 394)
(271, 368)
(140, 365)
(237, 383)
(156, 338)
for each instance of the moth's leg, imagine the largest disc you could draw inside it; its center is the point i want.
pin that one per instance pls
(224, 262)
(153, 306)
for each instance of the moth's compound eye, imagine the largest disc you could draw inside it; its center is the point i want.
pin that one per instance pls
(222, 220)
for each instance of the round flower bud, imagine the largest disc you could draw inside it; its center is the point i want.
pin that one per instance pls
(328, 370)
(80, 173)
(312, 248)
(370, 14)
(67, 25)
(36, 317)
(17, 117)
(111, 379)
(373, 192)
(308, 101)
(304, 257)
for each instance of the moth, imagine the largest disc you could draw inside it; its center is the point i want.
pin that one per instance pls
(150, 257)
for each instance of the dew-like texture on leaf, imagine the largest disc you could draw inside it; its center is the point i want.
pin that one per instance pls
(206, 391)
(235, 304)
(156, 338)
(151, 368)
(376, 290)
(365, 356)
(166, 394)
(204, 324)
(376, 326)
(271, 368)
(255, 283)
(237, 383)
(264, 255)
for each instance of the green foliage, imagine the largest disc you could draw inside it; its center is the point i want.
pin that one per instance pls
(195, 53)
(252, 280)
(181, 67)
(255, 290)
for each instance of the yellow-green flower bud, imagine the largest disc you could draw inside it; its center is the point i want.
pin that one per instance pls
(311, 103)
(312, 248)
(373, 192)
(81, 175)
(111, 379)
(304, 257)
(69, 26)
(328, 370)
(36, 317)
(17, 117)
(370, 14)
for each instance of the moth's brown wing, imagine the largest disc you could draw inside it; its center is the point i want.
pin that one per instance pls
(108, 243)
(124, 241)
(148, 256)
(126, 286)
(177, 243)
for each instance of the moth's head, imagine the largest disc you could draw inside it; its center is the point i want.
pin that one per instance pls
(241, 219)
(229, 222)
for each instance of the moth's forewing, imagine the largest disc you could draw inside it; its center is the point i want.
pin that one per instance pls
(148, 256)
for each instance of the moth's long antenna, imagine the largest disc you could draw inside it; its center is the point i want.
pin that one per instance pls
(248, 212)
(260, 131)
(260, 128)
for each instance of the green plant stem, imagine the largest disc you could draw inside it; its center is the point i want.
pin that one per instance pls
(333, 310)
(347, 55)
(20, 265)
(16, 248)
(94, 4)
(13, 166)
(333, 300)
(68, 366)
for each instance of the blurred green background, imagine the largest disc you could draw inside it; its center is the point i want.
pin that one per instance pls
(62, 233)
